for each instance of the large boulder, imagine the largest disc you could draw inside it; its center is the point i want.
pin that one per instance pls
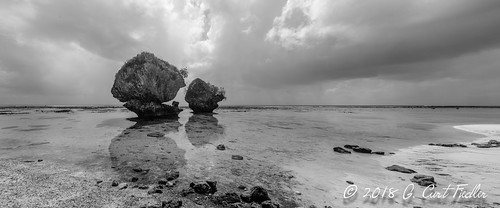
(203, 97)
(145, 82)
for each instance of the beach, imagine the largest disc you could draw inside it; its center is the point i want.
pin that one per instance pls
(60, 157)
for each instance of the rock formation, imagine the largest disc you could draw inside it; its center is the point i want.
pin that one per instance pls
(203, 97)
(145, 82)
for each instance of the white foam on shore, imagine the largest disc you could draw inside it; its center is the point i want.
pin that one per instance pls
(488, 130)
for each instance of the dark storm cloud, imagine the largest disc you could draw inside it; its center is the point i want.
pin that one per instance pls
(265, 52)
(395, 50)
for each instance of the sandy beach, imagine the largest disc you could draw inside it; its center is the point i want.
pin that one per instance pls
(54, 159)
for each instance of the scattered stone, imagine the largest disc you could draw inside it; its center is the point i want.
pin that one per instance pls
(122, 186)
(341, 150)
(349, 182)
(162, 181)
(256, 194)
(155, 191)
(143, 187)
(172, 175)
(40, 160)
(227, 198)
(203, 97)
(134, 179)
(221, 147)
(29, 161)
(99, 181)
(205, 188)
(423, 180)
(493, 142)
(114, 183)
(400, 169)
(378, 153)
(186, 192)
(297, 193)
(171, 204)
(237, 157)
(348, 146)
(362, 150)
(242, 187)
(156, 134)
(270, 204)
(137, 169)
(448, 145)
(392, 153)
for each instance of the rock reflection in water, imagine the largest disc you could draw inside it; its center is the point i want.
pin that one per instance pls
(134, 154)
(202, 129)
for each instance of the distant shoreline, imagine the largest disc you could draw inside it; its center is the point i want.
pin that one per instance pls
(249, 106)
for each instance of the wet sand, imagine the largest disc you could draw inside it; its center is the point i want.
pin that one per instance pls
(289, 152)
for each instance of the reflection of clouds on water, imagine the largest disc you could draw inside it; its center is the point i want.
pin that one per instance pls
(133, 149)
(202, 129)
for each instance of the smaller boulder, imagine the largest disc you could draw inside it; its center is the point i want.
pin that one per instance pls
(378, 153)
(203, 97)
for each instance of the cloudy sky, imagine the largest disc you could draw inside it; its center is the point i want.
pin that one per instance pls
(431, 52)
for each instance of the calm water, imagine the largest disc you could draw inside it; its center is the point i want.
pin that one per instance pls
(295, 138)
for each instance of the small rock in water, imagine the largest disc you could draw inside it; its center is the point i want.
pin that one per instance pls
(221, 147)
(423, 180)
(237, 157)
(448, 145)
(362, 150)
(378, 153)
(401, 169)
(257, 194)
(348, 146)
(122, 186)
(114, 183)
(349, 182)
(137, 169)
(134, 179)
(341, 150)
(172, 175)
(40, 160)
(162, 181)
(297, 192)
(143, 187)
(156, 134)
(99, 181)
(207, 187)
(155, 191)
(242, 187)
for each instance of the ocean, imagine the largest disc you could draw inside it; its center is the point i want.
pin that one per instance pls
(295, 142)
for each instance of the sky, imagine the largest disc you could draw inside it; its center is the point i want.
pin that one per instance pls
(263, 52)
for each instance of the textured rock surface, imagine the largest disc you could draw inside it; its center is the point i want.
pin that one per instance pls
(203, 97)
(145, 82)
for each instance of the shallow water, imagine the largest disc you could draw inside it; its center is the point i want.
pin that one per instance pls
(299, 139)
